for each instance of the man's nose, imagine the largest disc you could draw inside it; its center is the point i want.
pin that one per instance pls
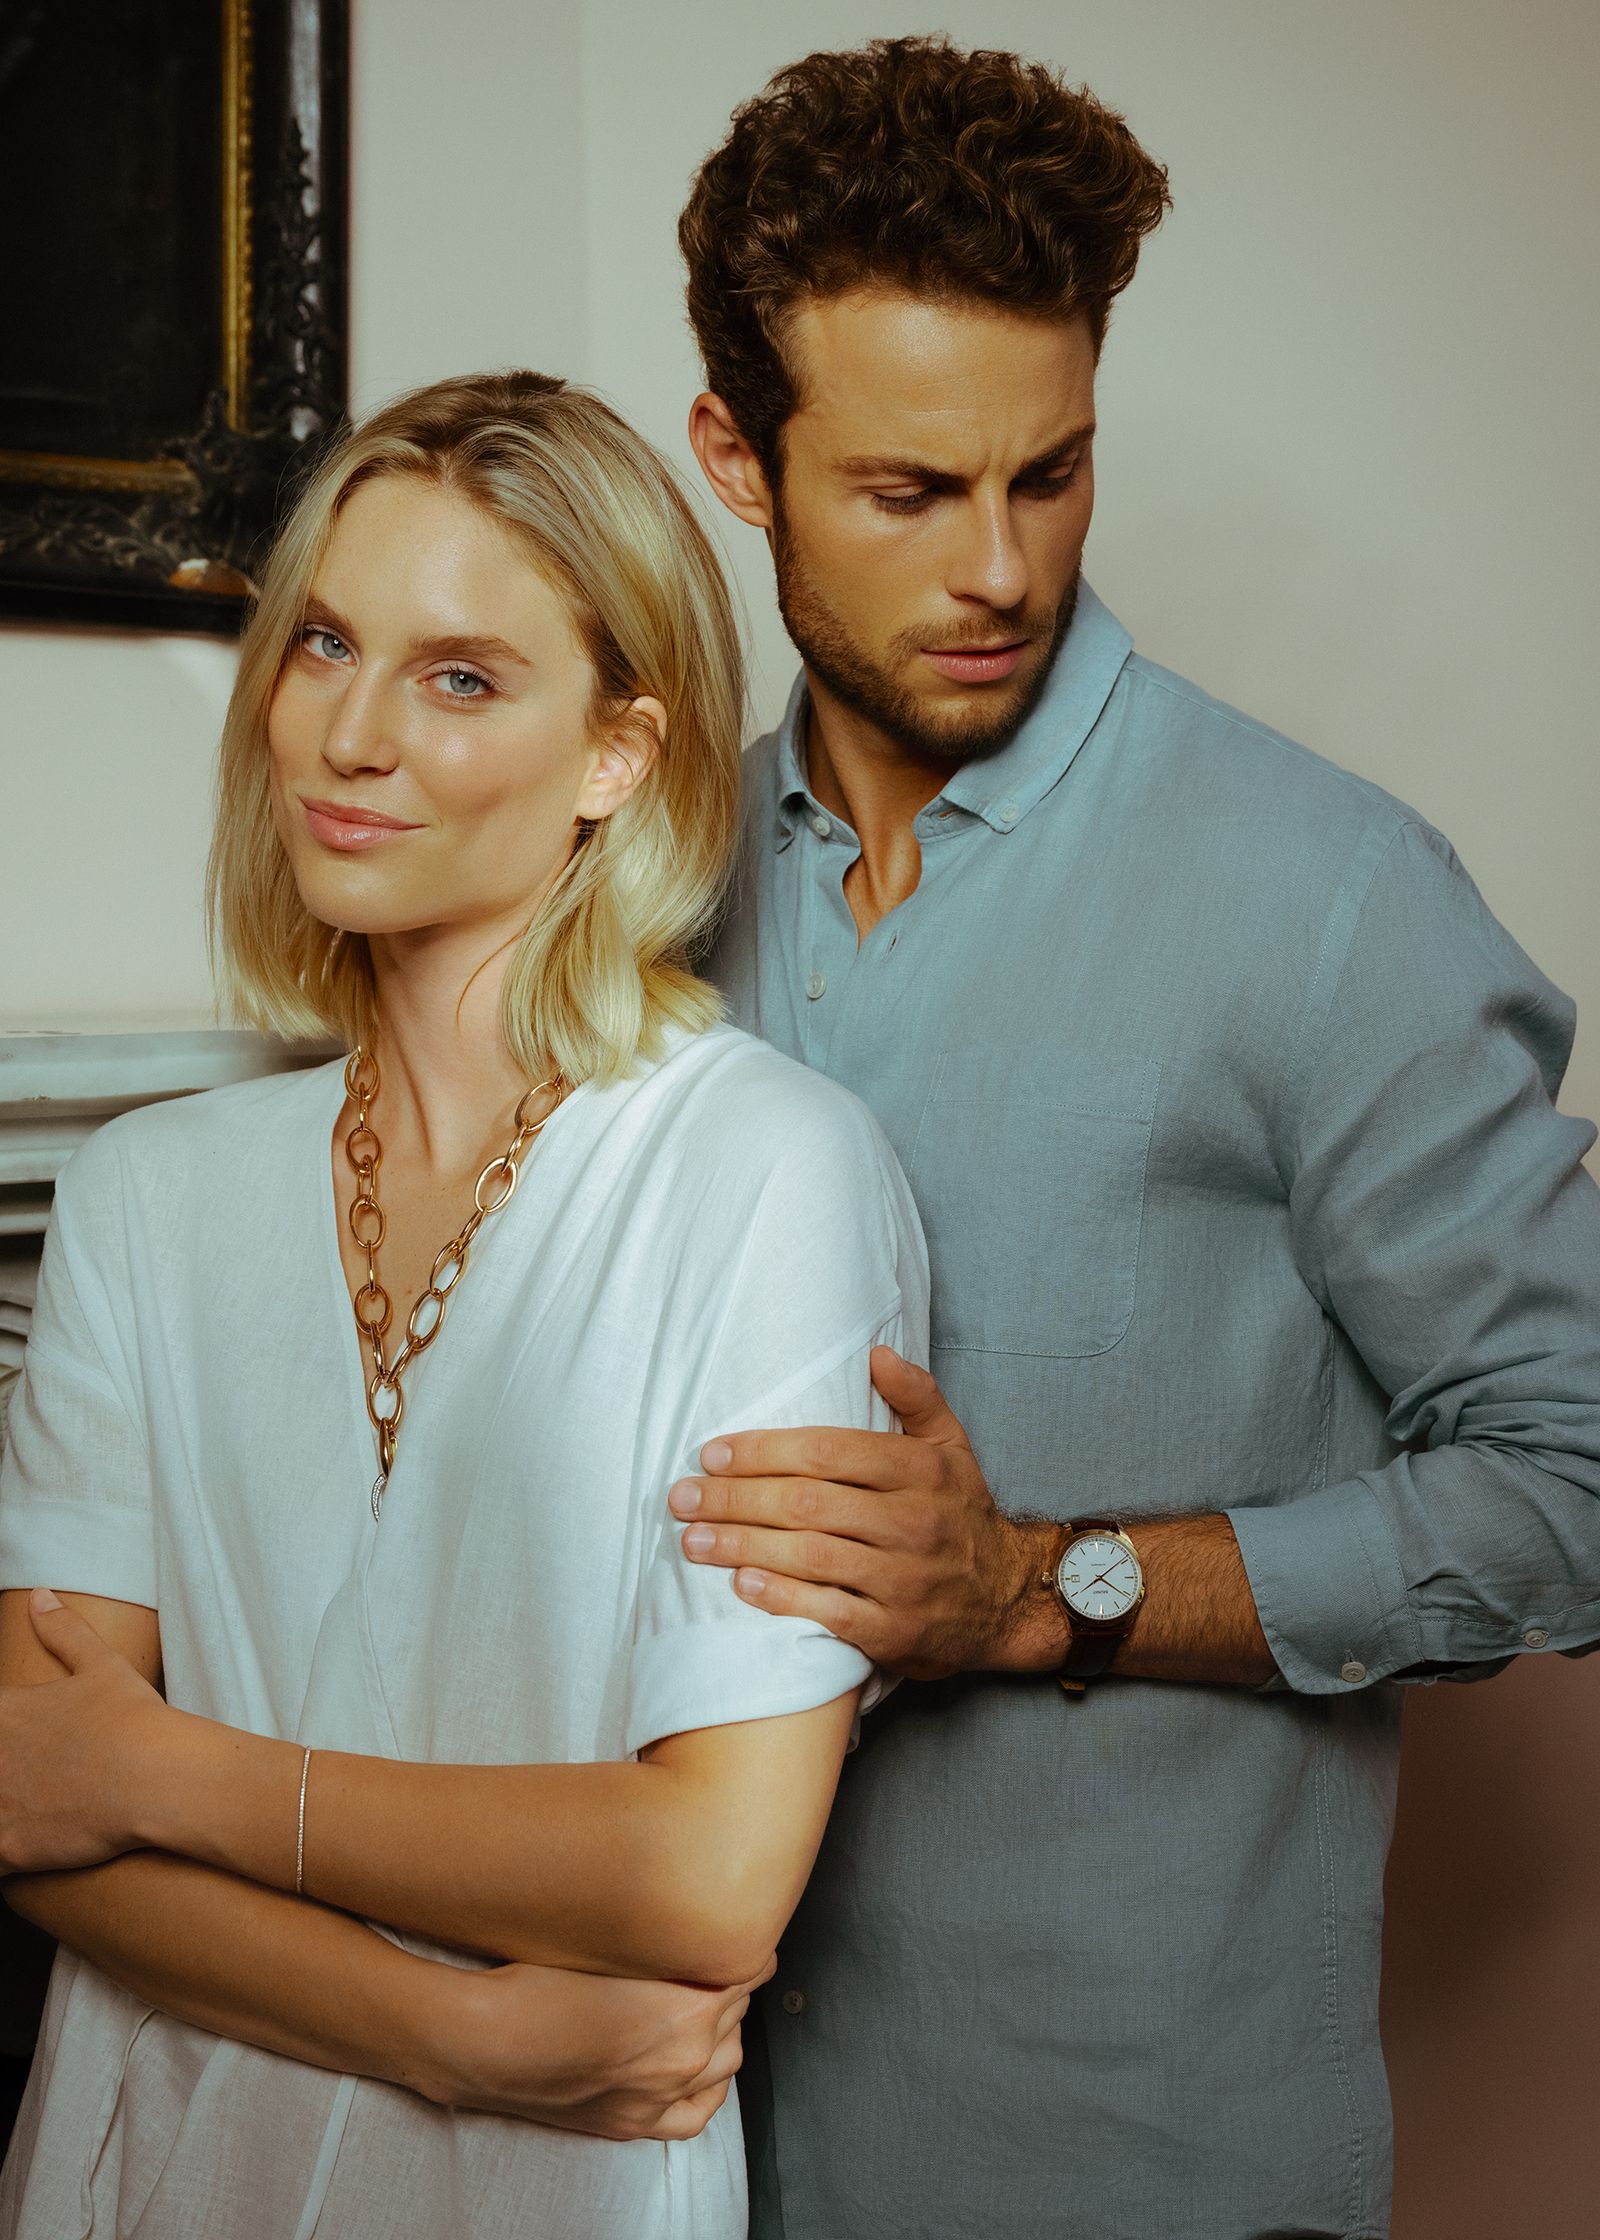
(990, 564)
(361, 734)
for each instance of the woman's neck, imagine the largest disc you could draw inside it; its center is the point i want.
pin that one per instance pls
(450, 1085)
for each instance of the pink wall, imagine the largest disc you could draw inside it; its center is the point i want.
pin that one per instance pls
(1492, 1959)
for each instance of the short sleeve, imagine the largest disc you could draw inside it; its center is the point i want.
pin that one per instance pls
(832, 1263)
(75, 1507)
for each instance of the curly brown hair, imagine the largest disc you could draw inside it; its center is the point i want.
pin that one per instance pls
(906, 161)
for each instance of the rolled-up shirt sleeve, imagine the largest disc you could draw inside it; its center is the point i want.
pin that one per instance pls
(1443, 1219)
(75, 1481)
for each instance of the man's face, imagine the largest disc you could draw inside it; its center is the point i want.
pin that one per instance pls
(937, 488)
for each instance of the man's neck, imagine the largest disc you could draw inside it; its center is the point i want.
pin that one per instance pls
(877, 786)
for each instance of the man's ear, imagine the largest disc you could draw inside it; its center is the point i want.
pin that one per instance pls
(620, 759)
(728, 462)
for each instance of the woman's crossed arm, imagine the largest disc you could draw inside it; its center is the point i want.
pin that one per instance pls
(621, 2059)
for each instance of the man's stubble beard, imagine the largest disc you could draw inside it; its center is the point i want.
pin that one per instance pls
(859, 683)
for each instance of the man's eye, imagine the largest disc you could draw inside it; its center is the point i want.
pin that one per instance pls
(1052, 485)
(914, 501)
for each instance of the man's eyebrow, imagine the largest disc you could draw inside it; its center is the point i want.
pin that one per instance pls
(449, 647)
(908, 469)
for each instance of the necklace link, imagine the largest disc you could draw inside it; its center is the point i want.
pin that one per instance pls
(372, 1306)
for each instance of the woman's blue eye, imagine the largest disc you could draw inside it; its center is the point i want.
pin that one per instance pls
(326, 644)
(465, 684)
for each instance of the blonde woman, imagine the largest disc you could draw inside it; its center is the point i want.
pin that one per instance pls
(364, 1459)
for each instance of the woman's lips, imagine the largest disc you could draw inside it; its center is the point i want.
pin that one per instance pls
(978, 664)
(349, 829)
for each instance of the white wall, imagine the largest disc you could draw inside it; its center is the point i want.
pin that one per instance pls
(1347, 477)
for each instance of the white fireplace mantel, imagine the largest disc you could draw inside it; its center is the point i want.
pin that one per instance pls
(55, 1089)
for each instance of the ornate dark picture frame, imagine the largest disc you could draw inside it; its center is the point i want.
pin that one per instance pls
(173, 296)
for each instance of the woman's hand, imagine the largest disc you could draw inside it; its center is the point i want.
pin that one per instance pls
(607, 2055)
(73, 1751)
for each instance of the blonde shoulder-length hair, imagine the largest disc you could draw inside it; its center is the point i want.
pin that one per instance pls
(602, 965)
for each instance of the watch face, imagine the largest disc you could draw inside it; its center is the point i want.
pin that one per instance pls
(1099, 1577)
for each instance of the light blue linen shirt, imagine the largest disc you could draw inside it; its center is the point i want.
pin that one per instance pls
(1227, 1106)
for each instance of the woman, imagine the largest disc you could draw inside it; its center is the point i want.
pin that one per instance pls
(433, 1657)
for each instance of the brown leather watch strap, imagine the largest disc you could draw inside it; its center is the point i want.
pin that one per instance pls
(1094, 1642)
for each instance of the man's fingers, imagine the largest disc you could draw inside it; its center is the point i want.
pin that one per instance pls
(875, 1459)
(915, 1398)
(794, 1505)
(853, 1617)
(815, 1556)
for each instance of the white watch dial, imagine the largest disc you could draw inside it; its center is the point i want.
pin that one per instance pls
(1099, 1577)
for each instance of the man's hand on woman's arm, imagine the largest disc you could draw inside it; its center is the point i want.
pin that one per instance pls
(601, 2054)
(894, 1542)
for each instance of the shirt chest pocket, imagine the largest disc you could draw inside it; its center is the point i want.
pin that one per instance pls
(1029, 1172)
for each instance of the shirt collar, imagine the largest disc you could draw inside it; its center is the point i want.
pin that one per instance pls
(1000, 788)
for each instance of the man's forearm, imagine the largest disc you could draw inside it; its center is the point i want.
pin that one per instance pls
(268, 1969)
(1197, 1622)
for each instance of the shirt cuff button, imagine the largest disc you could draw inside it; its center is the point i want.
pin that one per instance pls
(1353, 1672)
(1536, 1638)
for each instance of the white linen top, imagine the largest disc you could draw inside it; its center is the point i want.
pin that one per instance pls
(713, 1245)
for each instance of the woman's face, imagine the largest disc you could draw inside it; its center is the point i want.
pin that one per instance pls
(429, 737)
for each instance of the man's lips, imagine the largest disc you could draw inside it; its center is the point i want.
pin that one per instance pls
(348, 824)
(977, 664)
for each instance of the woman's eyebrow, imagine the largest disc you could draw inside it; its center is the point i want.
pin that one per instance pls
(456, 648)
(319, 615)
(449, 646)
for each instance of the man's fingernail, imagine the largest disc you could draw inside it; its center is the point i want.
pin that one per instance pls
(699, 1540)
(752, 1584)
(43, 1599)
(717, 1456)
(684, 1498)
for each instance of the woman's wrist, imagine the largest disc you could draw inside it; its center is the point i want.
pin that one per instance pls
(434, 2043)
(222, 1796)
(460, 2041)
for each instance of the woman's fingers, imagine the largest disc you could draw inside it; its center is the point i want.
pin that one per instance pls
(65, 1632)
(686, 2119)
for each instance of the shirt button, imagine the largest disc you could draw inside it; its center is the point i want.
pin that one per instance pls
(817, 985)
(794, 2002)
(1353, 1672)
(821, 827)
(1008, 812)
(1536, 1638)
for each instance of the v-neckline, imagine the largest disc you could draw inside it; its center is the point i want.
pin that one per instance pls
(355, 1367)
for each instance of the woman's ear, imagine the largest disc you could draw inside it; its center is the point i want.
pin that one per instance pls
(620, 759)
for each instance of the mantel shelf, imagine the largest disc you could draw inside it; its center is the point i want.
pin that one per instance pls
(55, 1089)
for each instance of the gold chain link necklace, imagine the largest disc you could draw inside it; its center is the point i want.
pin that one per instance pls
(374, 1310)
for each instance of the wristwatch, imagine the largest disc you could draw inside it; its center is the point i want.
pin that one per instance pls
(1100, 1579)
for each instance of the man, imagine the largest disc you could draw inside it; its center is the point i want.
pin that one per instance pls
(1266, 1276)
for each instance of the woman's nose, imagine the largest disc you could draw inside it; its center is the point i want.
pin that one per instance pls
(360, 735)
